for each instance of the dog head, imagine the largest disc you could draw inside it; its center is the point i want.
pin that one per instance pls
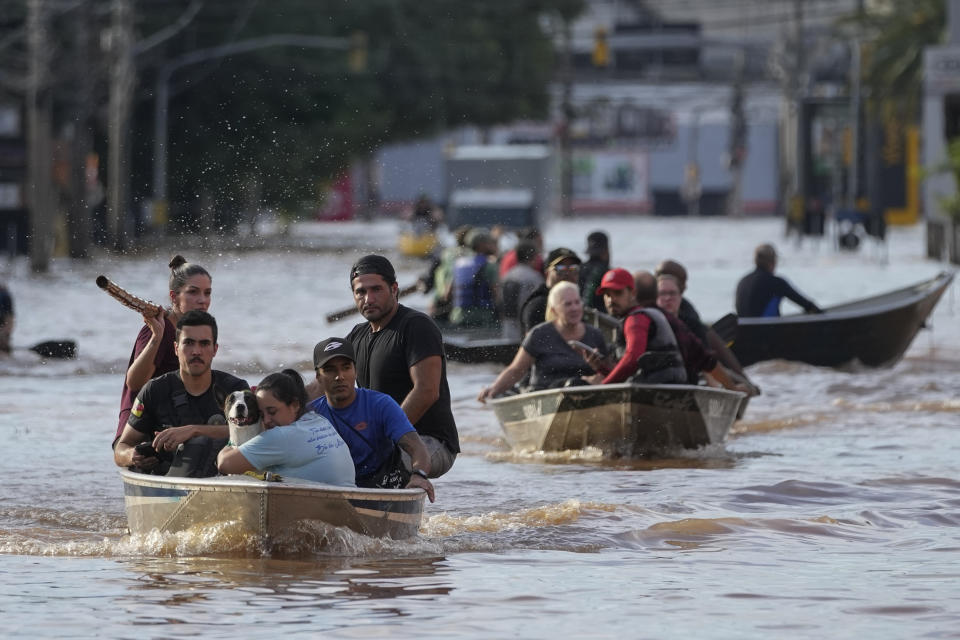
(243, 416)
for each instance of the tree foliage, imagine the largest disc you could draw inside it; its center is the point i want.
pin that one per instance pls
(292, 117)
(896, 34)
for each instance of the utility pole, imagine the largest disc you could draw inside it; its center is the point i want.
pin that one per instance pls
(738, 138)
(121, 89)
(566, 121)
(39, 117)
(78, 211)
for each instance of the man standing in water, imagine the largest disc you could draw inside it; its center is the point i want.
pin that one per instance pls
(399, 352)
(759, 292)
(183, 407)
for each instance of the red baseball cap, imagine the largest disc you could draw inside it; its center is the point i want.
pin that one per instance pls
(616, 280)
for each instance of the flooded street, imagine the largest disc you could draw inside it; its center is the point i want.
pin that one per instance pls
(833, 509)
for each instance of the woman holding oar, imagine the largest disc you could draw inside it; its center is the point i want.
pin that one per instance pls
(153, 354)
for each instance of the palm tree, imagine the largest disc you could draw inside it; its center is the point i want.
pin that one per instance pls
(895, 35)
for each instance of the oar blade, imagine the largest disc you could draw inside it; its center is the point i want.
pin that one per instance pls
(56, 349)
(726, 328)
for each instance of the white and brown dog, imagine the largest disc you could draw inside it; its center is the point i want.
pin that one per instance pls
(243, 416)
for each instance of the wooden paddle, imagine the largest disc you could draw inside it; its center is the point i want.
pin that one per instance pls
(127, 299)
(349, 311)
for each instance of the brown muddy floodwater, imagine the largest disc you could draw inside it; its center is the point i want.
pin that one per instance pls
(832, 511)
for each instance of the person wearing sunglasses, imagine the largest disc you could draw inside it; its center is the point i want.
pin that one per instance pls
(562, 264)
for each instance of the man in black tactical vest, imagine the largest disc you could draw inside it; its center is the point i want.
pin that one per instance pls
(177, 426)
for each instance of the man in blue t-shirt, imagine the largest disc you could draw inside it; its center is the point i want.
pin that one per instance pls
(372, 424)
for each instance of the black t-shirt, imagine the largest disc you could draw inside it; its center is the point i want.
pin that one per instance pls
(164, 402)
(384, 359)
(689, 316)
(554, 360)
(534, 309)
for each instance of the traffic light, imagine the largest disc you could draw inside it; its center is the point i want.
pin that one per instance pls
(601, 49)
(357, 55)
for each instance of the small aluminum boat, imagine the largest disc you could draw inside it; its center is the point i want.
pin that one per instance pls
(631, 420)
(264, 508)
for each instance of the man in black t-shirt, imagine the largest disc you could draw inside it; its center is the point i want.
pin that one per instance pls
(400, 353)
(183, 407)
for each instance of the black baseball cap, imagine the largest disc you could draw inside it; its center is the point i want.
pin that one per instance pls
(373, 264)
(560, 254)
(332, 348)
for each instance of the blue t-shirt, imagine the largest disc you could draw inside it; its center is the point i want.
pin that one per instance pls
(309, 448)
(372, 425)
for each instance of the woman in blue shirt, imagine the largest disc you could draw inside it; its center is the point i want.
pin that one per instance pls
(296, 442)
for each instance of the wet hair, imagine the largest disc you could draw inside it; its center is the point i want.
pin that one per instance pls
(554, 297)
(181, 271)
(197, 318)
(645, 288)
(373, 264)
(598, 244)
(287, 387)
(675, 269)
(526, 251)
(765, 257)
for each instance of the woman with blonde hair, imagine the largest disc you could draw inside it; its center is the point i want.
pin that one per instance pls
(547, 351)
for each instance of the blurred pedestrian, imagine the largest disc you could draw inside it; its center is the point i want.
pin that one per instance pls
(6, 318)
(591, 271)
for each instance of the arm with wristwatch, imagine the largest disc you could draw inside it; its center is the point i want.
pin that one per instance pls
(419, 463)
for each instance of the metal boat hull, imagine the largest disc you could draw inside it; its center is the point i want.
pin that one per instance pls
(875, 332)
(266, 509)
(630, 420)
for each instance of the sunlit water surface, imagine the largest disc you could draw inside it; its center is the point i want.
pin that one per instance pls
(833, 510)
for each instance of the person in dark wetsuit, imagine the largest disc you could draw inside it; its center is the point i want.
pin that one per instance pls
(399, 352)
(759, 292)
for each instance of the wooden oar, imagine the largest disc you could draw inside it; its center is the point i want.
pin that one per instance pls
(349, 311)
(127, 299)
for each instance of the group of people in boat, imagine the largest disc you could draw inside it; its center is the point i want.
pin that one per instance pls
(659, 339)
(377, 413)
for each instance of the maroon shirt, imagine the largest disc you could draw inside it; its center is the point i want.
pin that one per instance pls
(163, 362)
(696, 356)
